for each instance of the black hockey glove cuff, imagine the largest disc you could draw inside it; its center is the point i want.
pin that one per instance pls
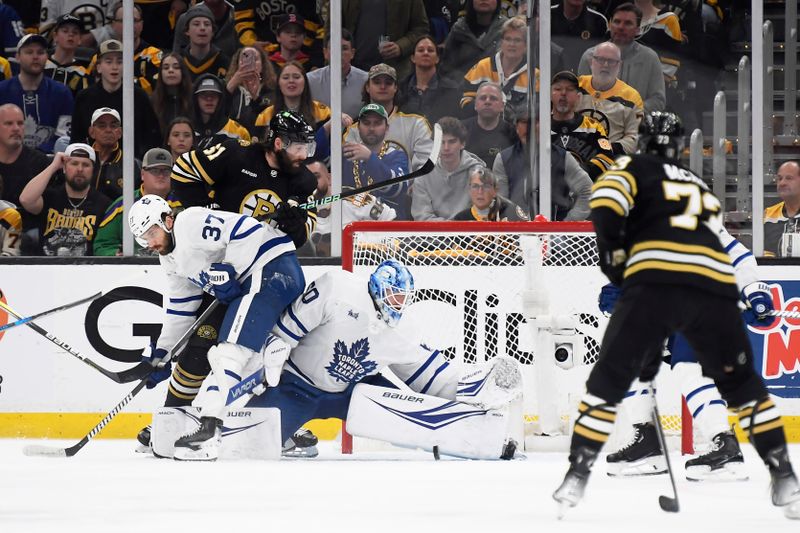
(612, 264)
(291, 219)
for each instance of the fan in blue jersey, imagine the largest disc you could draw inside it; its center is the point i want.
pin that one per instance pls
(245, 264)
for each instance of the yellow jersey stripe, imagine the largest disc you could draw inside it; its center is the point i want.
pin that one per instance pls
(684, 248)
(680, 267)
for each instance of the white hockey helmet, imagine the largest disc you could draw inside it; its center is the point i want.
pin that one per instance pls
(392, 289)
(147, 212)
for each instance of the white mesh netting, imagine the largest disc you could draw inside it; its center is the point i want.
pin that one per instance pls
(470, 278)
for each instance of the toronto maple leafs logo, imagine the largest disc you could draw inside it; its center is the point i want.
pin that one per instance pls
(350, 366)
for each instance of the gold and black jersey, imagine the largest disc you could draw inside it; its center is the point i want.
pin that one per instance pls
(663, 215)
(235, 175)
(586, 139)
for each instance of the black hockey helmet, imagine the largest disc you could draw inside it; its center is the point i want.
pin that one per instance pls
(661, 133)
(291, 126)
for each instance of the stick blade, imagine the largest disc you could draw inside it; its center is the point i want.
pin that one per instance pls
(35, 450)
(668, 504)
(437, 143)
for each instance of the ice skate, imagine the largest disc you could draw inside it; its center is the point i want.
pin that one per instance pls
(303, 444)
(785, 490)
(571, 490)
(143, 439)
(641, 457)
(203, 444)
(723, 463)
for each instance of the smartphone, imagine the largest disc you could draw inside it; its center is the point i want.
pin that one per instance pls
(247, 59)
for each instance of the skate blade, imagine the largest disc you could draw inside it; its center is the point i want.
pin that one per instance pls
(651, 466)
(726, 474)
(563, 507)
(141, 448)
(203, 453)
(308, 452)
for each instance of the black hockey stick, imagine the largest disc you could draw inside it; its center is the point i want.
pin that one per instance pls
(421, 171)
(667, 504)
(54, 310)
(48, 451)
(126, 376)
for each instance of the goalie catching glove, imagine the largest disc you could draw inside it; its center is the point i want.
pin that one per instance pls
(162, 368)
(492, 385)
(758, 300)
(226, 287)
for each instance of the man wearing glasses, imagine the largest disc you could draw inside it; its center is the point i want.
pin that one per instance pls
(641, 67)
(611, 101)
(156, 170)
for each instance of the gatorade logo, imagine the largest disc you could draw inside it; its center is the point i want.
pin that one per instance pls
(3, 314)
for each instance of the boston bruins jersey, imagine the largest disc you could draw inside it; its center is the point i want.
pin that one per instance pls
(586, 139)
(666, 219)
(235, 175)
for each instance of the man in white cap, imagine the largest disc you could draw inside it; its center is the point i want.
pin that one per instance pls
(156, 169)
(108, 93)
(46, 104)
(106, 132)
(69, 214)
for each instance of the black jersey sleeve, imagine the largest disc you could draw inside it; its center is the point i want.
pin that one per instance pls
(197, 173)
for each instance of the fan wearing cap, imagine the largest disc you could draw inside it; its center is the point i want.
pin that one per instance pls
(201, 56)
(46, 104)
(370, 158)
(63, 65)
(146, 58)
(68, 214)
(582, 136)
(290, 33)
(412, 132)
(108, 93)
(225, 27)
(211, 122)
(106, 134)
(156, 169)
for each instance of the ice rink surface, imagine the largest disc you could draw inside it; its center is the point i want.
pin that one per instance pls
(107, 488)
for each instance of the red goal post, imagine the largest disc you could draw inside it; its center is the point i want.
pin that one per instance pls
(470, 279)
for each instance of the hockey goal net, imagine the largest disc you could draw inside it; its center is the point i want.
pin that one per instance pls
(471, 278)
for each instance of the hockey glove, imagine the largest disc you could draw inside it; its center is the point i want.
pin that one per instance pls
(222, 277)
(291, 219)
(162, 369)
(759, 304)
(612, 264)
(609, 295)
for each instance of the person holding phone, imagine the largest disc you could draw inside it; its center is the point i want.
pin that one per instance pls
(249, 85)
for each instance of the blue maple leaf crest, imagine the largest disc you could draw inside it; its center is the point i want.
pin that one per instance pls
(350, 366)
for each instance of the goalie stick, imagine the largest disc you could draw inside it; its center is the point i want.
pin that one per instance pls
(421, 171)
(20, 321)
(49, 451)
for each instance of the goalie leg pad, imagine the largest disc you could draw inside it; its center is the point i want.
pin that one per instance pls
(420, 421)
(248, 433)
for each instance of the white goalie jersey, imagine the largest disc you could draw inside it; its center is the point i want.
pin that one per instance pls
(337, 339)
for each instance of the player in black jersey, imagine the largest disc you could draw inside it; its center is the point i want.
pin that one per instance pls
(656, 238)
(261, 180)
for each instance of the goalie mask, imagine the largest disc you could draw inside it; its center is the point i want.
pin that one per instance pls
(147, 212)
(661, 133)
(392, 289)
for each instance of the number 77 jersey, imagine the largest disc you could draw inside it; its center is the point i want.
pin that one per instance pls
(667, 220)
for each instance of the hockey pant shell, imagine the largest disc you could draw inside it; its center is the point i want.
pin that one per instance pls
(300, 401)
(250, 318)
(192, 364)
(646, 315)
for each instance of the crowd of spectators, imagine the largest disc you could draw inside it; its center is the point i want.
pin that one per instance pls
(210, 70)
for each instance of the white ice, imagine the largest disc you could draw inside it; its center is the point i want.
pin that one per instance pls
(108, 488)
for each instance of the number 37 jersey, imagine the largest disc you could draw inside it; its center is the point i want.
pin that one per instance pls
(667, 220)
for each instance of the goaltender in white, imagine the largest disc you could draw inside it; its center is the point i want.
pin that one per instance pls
(342, 331)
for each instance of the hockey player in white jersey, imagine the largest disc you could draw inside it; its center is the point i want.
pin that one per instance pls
(643, 454)
(246, 264)
(343, 332)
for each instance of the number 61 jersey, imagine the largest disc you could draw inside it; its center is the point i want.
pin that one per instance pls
(667, 221)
